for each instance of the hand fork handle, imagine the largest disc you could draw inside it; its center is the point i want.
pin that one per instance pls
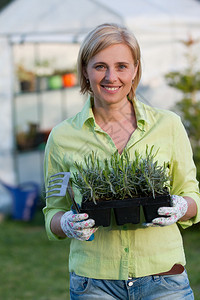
(75, 205)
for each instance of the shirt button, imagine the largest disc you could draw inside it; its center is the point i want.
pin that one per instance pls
(130, 283)
(126, 250)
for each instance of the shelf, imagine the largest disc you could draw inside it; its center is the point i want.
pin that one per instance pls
(36, 92)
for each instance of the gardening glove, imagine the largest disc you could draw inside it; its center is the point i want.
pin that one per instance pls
(174, 213)
(74, 226)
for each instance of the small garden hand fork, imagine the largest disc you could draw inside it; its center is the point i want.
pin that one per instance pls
(61, 188)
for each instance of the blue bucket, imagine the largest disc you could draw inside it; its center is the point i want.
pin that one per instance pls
(25, 197)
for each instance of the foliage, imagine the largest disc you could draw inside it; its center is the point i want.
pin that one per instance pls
(188, 82)
(23, 74)
(4, 3)
(119, 178)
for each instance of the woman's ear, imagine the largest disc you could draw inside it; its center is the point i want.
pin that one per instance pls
(135, 71)
(85, 73)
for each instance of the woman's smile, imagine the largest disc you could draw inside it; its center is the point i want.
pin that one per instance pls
(111, 89)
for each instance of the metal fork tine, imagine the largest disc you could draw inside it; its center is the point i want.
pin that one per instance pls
(49, 191)
(59, 173)
(54, 185)
(58, 178)
(65, 174)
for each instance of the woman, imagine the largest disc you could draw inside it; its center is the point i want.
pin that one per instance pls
(130, 261)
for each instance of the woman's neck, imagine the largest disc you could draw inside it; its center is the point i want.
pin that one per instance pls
(114, 113)
(119, 124)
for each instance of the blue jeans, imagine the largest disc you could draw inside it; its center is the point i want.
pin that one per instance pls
(168, 287)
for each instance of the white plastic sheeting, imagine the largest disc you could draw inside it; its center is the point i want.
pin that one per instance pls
(158, 26)
(53, 20)
(148, 12)
(6, 77)
(38, 21)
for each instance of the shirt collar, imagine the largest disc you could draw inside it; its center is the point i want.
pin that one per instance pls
(142, 116)
(140, 111)
(86, 113)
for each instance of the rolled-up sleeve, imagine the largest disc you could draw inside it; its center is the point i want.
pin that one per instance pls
(52, 165)
(183, 170)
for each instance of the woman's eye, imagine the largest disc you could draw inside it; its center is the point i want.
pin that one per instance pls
(122, 67)
(100, 67)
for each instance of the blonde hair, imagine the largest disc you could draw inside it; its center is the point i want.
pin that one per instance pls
(100, 38)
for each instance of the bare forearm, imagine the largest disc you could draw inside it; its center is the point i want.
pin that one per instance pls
(55, 224)
(191, 211)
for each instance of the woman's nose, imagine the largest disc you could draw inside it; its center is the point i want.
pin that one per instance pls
(111, 75)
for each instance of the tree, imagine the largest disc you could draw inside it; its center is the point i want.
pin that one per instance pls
(4, 3)
(188, 82)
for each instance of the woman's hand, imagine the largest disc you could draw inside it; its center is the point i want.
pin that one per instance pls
(182, 209)
(74, 226)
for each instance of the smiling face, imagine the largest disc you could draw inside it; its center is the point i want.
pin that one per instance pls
(110, 73)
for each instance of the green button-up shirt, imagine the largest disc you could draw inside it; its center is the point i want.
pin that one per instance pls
(130, 250)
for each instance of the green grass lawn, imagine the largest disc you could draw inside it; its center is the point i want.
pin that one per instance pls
(34, 268)
(191, 239)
